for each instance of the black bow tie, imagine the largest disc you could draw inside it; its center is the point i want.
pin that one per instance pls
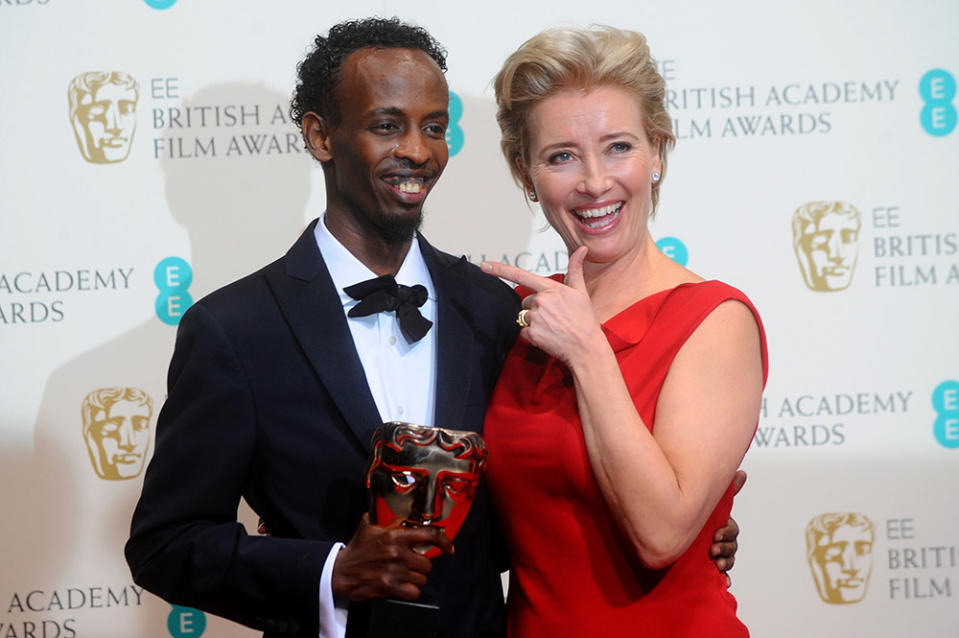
(383, 294)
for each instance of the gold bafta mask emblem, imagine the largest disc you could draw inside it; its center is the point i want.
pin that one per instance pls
(424, 476)
(103, 114)
(116, 430)
(839, 550)
(826, 242)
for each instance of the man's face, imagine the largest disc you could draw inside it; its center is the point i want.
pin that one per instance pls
(423, 484)
(841, 564)
(119, 439)
(828, 251)
(104, 123)
(389, 146)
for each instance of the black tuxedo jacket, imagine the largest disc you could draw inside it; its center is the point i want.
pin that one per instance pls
(267, 400)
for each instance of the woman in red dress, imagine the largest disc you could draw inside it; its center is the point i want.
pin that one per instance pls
(625, 408)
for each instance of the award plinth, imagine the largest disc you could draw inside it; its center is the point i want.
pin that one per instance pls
(393, 618)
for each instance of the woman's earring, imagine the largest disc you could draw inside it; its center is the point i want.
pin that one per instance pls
(533, 197)
(655, 176)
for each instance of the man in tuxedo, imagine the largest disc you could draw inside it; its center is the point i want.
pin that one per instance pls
(279, 380)
(274, 391)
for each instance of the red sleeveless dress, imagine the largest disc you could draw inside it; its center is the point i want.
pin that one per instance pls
(573, 572)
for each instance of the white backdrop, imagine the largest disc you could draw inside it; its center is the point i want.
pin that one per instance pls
(775, 106)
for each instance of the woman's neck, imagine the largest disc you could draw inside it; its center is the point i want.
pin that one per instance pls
(615, 286)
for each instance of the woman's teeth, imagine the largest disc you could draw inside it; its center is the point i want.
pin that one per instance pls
(599, 217)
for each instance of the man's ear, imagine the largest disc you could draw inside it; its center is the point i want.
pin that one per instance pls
(316, 135)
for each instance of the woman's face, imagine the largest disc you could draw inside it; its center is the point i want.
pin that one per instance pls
(590, 163)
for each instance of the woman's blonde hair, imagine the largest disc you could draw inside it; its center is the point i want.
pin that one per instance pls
(560, 59)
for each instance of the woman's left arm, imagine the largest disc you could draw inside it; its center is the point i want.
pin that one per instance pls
(662, 486)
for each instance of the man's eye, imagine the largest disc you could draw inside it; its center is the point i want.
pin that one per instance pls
(109, 428)
(832, 553)
(818, 240)
(456, 487)
(436, 129)
(403, 479)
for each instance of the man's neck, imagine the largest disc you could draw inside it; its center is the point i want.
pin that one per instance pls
(380, 254)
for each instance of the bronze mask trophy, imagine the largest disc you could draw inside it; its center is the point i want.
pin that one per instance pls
(422, 476)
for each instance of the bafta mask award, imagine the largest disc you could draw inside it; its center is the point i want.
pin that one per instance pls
(422, 476)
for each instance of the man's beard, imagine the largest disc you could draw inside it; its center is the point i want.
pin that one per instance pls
(398, 229)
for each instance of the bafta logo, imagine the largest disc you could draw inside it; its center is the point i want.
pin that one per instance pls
(839, 550)
(116, 430)
(103, 114)
(826, 242)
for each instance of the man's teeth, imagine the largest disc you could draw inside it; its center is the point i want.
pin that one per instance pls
(413, 185)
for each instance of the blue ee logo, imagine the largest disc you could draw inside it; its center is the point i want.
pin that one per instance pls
(186, 622)
(454, 133)
(937, 88)
(173, 277)
(945, 400)
(674, 249)
(160, 4)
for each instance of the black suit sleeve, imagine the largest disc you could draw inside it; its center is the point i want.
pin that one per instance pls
(186, 545)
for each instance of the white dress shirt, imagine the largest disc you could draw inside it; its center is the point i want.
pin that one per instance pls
(401, 375)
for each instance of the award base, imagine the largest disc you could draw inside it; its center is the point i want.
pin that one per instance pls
(392, 618)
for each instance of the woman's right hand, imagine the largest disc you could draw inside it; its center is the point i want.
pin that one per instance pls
(561, 319)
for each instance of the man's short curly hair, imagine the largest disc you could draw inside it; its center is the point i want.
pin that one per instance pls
(319, 73)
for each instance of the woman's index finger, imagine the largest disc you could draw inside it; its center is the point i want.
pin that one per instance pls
(518, 276)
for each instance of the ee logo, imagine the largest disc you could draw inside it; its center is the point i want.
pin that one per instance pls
(674, 249)
(173, 277)
(937, 88)
(160, 4)
(186, 622)
(945, 400)
(454, 133)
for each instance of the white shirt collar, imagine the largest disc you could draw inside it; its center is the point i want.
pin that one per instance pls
(346, 270)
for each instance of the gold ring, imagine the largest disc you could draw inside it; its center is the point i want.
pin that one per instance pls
(521, 318)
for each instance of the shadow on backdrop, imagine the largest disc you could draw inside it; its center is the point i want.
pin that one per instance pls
(241, 212)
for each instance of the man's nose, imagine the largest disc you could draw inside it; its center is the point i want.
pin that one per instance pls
(113, 118)
(426, 501)
(849, 562)
(834, 247)
(125, 433)
(413, 147)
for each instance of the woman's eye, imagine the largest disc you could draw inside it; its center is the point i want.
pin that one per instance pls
(560, 157)
(620, 147)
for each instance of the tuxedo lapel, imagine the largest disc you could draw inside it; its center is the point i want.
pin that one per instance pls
(305, 294)
(454, 341)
